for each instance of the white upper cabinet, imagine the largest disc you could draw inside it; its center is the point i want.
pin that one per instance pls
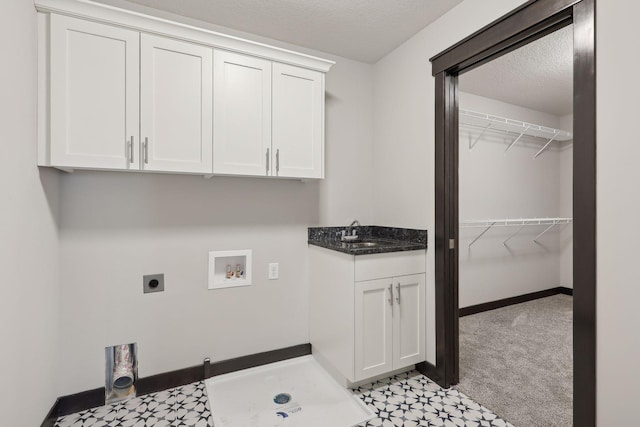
(242, 114)
(298, 122)
(94, 95)
(268, 118)
(175, 105)
(124, 91)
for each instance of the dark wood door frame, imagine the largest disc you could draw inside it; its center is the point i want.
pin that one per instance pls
(529, 22)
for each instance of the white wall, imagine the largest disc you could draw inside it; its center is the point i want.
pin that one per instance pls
(404, 96)
(404, 197)
(498, 184)
(347, 192)
(618, 205)
(28, 232)
(404, 127)
(115, 227)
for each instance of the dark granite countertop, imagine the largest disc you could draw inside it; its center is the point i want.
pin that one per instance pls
(372, 239)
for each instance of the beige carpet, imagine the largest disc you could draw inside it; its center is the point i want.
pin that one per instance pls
(518, 361)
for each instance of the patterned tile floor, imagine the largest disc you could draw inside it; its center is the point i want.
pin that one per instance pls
(410, 399)
(405, 400)
(186, 406)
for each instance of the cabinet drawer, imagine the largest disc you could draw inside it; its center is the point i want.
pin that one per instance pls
(376, 266)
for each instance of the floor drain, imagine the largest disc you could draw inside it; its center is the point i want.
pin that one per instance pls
(282, 398)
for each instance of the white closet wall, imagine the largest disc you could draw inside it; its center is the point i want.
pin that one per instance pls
(499, 184)
(566, 205)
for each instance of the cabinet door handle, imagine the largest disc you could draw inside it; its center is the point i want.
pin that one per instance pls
(398, 294)
(267, 162)
(391, 294)
(146, 150)
(130, 146)
(277, 161)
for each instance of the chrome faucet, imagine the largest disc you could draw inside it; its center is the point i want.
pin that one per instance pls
(350, 233)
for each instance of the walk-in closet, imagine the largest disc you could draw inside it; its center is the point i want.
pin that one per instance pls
(515, 232)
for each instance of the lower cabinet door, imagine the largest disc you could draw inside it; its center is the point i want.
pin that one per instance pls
(408, 320)
(373, 328)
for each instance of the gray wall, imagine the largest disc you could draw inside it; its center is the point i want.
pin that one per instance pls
(404, 97)
(618, 178)
(28, 232)
(404, 127)
(115, 227)
(403, 181)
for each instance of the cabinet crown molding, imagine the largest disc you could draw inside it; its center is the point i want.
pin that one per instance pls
(107, 14)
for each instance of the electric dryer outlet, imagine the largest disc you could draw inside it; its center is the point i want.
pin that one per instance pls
(152, 283)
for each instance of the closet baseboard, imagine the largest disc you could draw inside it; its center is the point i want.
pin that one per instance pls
(73, 403)
(492, 305)
(565, 291)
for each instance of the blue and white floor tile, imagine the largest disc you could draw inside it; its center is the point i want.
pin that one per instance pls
(405, 400)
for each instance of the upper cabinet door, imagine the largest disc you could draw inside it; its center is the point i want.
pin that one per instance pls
(175, 105)
(298, 122)
(242, 115)
(408, 320)
(94, 95)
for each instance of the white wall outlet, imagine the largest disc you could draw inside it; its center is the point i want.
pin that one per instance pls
(274, 270)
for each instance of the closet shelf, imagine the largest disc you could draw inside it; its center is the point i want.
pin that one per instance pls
(487, 224)
(516, 127)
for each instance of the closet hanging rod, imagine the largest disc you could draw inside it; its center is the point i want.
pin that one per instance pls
(471, 145)
(545, 146)
(487, 224)
(513, 222)
(517, 139)
(513, 234)
(481, 234)
(543, 233)
(486, 121)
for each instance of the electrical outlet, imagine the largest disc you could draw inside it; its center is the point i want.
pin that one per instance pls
(152, 283)
(274, 271)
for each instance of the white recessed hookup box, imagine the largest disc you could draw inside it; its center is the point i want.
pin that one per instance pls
(228, 269)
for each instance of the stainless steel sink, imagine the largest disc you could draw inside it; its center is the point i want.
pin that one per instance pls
(363, 244)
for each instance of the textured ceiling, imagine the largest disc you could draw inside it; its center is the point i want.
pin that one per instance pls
(537, 76)
(364, 30)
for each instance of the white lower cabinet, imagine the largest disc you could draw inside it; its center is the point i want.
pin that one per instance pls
(367, 312)
(389, 324)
